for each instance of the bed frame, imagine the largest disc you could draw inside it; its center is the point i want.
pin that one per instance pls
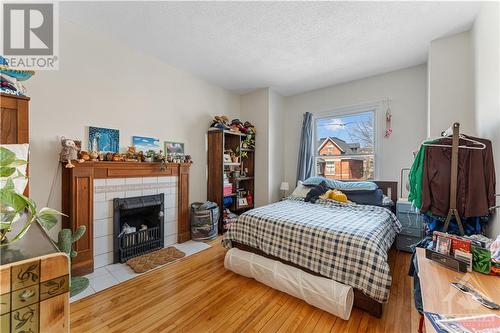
(361, 301)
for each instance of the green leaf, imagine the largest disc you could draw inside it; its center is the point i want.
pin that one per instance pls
(9, 198)
(6, 156)
(9, 185)
(6, 171)
(18, 163)
(47, 217)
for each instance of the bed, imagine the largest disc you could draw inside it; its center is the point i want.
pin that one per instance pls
(343, 242)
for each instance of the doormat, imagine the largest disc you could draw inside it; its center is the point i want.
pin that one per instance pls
(154, 259)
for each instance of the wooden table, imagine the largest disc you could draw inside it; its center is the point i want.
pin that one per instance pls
(439, 296)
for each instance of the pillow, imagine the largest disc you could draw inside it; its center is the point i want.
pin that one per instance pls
(373, 198)
(300, 191)
(344, 186)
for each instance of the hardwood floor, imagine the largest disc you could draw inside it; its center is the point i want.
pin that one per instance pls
(198, 295)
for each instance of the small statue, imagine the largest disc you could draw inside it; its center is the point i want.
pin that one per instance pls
(94, 156)
(109, 157)
(117, 157)
(140, 156)
(84, 155)
(188, 159)
(131, 152)
(69, 152)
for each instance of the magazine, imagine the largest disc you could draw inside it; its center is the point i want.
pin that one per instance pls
(489, 323)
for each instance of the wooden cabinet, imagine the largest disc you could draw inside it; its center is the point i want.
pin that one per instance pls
(14, 121)
(218, 142)
(34, 285)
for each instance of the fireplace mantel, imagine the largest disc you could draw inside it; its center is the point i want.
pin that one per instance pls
(78, 199)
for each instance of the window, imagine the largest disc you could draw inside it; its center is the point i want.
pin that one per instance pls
(330, 168)
(345, 146)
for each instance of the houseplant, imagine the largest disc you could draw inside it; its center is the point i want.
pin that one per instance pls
(14, 206)
(65, 240)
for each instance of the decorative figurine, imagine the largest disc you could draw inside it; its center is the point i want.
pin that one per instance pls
(84, 155)
(94, 156)
(69, 152)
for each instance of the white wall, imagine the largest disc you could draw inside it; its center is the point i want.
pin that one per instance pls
(254, 107)
(451, 84)
(407, 90)
(486, 37)
(103, 83)
(276, 145)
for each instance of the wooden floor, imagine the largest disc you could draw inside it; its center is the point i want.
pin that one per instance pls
(197, 294)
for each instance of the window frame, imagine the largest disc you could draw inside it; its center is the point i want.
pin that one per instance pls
(348, 111)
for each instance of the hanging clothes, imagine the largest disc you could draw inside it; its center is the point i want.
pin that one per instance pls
(476, 179)
(415, 177)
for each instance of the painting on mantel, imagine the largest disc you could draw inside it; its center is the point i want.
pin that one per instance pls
(104, 139)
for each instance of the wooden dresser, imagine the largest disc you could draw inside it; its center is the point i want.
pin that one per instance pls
(34, 285)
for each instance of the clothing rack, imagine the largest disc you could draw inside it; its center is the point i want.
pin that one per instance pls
(455, 130)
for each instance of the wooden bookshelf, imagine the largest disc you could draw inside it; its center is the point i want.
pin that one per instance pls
(218, 142)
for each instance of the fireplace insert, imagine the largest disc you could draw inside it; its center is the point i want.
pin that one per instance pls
(137, 226)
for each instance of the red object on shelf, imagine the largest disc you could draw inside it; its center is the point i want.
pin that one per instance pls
(249, 198)
(228, 189)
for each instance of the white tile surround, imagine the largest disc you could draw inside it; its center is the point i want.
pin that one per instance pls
(105, 190)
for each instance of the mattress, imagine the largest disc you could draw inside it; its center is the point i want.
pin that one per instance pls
(345, 242)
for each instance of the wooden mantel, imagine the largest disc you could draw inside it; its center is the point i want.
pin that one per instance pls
(78, 199)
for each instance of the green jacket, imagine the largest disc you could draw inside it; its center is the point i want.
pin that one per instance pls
(415, 177)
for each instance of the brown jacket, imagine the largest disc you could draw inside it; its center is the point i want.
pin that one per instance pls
(476, 179)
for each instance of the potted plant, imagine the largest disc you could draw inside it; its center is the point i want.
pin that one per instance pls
(241, 153)
(14, 206)
(248, 143)
(150, 155)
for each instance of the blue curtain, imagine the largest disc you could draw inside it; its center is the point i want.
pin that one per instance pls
(306, 154)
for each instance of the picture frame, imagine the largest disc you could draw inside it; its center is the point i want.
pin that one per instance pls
(103, 139)
(144, 143)
(174, 148)
(242, 202)
(443, 245)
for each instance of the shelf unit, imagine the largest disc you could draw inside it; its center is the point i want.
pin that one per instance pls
(218, 142)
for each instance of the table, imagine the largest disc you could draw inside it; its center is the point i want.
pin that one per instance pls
(439, 296)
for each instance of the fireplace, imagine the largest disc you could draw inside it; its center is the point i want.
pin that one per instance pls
(137, 226)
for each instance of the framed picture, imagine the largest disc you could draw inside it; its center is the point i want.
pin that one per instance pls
(443, 245)
(242, 202)
(174, 148)
(143, 143)
(104, 139)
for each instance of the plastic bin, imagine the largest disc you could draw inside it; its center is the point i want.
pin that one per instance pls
(204, 220)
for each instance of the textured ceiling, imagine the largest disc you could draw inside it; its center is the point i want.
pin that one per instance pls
(289, 46)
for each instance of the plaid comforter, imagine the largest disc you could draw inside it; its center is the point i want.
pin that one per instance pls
(347, 243)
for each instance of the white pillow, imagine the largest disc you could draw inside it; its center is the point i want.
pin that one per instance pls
(21, 151)
(300, 191)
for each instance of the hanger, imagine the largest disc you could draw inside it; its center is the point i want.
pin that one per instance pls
(445, 135)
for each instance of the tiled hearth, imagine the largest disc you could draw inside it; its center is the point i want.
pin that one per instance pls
(105, 190)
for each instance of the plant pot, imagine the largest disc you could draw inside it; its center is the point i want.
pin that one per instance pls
(235, 159)
(148, 159)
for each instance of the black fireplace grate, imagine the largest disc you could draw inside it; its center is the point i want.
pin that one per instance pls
(140, 242)
(144, 215)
